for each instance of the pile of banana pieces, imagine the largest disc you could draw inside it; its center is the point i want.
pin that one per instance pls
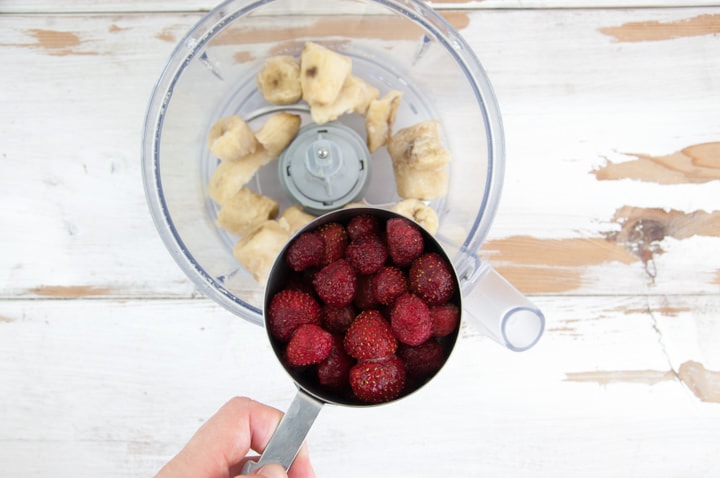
(323, 79)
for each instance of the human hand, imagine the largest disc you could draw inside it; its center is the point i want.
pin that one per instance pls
(219, 448)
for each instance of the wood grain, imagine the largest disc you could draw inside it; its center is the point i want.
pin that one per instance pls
(658, 31)
(698, 163)
(609, 219)
(159, 6)
(134, 378)
(58, 239)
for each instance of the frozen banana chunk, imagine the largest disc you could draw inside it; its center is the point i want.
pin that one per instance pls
(230, 139)
(419, 212)
(277, 132)
(258, 250)
(379, 119)
(354, 97)
(294, 219)
(245, 210)
(419, 146)
(231, 176)
(424, 184)
(272, 138)
(420, 161)
(279, 80)
(322, 74)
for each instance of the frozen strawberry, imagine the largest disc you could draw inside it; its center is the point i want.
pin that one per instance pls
(336, 283)
(336, 320)
(307, 250)
(422, 360)
(366, 253)
(364, 298)
(336, 240)
(370, 336)
(404, 240)
(362, 225)
(301, 281)
(388, 284)
(334, 370)
(288, 310)
(431, 278)
(377, 381)
(445, 319)
(410, 320)
(309, 344)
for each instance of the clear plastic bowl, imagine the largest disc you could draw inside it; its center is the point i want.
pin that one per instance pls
(394, 44)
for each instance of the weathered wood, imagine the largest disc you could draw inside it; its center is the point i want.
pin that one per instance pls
(116, 387)
(129, 6)
(576, 113)
(110, 359)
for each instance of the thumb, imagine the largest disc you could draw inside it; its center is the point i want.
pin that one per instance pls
(272, 470)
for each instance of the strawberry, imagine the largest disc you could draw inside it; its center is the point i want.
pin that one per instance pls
(431, 278)
(404, 240)
(335, 238)
(363, 224)
(410, 320)
(334, 370)
(288, 310)
(370, 337)
(445, 319)
(366, 253)
(388, 284)
(309, 344)
(307, 250)
(377, 381)
(301, 281)
(336, 320)
(422, 361)
(336, 283)
(364, 298)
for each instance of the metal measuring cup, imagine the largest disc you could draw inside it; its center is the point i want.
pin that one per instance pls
(287, 439)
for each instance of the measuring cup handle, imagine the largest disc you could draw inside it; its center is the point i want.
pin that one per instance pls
(500, 310)
(285, 443)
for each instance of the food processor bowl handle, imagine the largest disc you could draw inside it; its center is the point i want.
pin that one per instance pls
(285, 443)
(501, 311)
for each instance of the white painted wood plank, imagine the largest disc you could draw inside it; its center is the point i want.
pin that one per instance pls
(619, 386)
(73, 112)
(572, 106)
(74, 91)
(116, 387)
(127, 6)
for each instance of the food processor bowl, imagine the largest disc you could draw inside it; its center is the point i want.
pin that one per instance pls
(394, 45)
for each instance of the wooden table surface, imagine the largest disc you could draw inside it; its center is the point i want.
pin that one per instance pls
(609, 220)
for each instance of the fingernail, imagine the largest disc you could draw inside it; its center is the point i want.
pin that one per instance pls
(272, 470)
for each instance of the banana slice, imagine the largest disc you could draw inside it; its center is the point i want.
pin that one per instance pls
(245, 210)
(279, 80)
(271, 139)
(419, 212)
(420, 161)
(259, 248)
(354, 97)
(231, 176)
(419, 146)
(380, 118)
(322, 74)
(294, 219)
(277, 132)
(424, 184)
(230, 139)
